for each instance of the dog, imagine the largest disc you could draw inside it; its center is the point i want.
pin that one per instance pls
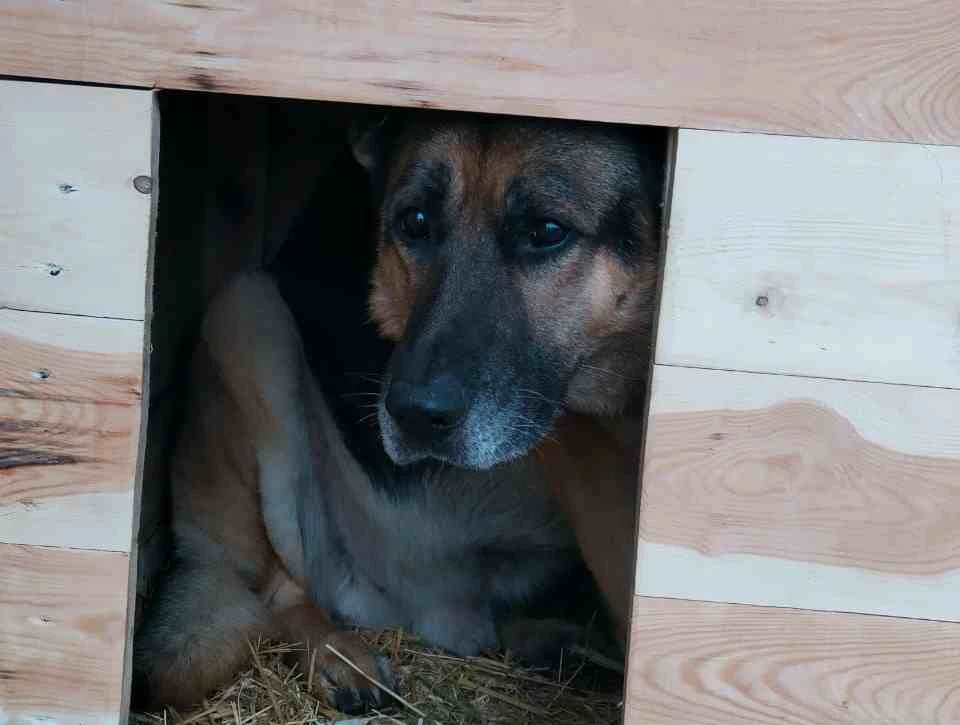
(333, 472)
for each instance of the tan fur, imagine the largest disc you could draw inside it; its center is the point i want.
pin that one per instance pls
(594, 474)
(393, 291)
(240, 577)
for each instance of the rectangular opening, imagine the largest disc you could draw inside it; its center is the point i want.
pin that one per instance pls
(540, 244)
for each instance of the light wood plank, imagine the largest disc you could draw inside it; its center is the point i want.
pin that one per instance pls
(70, 390)
(815, 257)
(73, 230)
(860, 68)
(81, 521)
(712, 664)
(62, 624)
(143, 427)
(798, 492)
(62, 357)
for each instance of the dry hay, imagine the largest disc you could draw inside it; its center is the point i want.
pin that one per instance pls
(433, 687)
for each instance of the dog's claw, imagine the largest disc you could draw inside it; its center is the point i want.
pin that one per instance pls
(340, 684)
(355, 700)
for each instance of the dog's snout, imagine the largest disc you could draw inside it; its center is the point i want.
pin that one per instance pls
(429, 409)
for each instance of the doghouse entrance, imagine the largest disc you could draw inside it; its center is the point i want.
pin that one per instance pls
(236, 175)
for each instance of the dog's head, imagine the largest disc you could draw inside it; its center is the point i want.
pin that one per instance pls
(516, 272)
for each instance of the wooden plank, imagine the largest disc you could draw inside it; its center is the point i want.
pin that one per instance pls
(861, 68)
(62, 623)
(70, 390)
(153, 520)
(713, 664)
(83, 521)
(799, 492)
(143, 428)
(73, 230)
(827, 258)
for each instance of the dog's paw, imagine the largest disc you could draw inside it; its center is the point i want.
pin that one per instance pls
(330, 675)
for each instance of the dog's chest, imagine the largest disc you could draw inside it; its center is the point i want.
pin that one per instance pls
(456, 541)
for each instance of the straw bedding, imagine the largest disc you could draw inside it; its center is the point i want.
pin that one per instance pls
(432, 687)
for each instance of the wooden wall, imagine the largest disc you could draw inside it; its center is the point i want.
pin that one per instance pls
(74, 251)
(798, 536)
(879, 69)
(799, 532)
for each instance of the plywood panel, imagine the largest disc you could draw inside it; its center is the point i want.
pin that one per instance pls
(860, 68)
(62, 624)
(73, 229)
(713, 664)
(815, 257)
(798, 492)
(70, 390)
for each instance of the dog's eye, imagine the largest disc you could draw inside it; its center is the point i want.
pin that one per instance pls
(413, 224)
(546, 235)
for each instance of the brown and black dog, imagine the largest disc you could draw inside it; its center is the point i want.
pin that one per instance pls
(513, 283)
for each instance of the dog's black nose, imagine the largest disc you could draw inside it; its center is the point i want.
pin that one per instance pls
(427, 410)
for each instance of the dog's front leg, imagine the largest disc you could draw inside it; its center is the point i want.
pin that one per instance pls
(252, 338)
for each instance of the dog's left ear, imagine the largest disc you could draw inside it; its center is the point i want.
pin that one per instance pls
(367, 140)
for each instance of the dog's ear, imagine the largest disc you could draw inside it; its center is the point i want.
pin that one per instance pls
(367, 139)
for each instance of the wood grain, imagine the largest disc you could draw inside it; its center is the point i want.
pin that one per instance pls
(799, 492)
(62, 623)
(712, 664)
(860, 68)
(73, 230)
(69, 429)
(814, 257)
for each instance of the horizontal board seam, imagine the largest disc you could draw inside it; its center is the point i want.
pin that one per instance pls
(742, 131)
(841, 612)
(31, 311)
(805, 377)
(69, 82)
(63, 547)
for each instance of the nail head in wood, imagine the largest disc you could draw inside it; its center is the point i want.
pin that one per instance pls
(143, 184)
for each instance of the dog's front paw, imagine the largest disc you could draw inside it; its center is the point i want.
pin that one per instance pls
(331, 673)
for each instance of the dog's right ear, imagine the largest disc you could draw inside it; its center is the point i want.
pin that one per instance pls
(367, 137)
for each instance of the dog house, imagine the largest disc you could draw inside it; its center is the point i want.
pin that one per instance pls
(798, 547)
